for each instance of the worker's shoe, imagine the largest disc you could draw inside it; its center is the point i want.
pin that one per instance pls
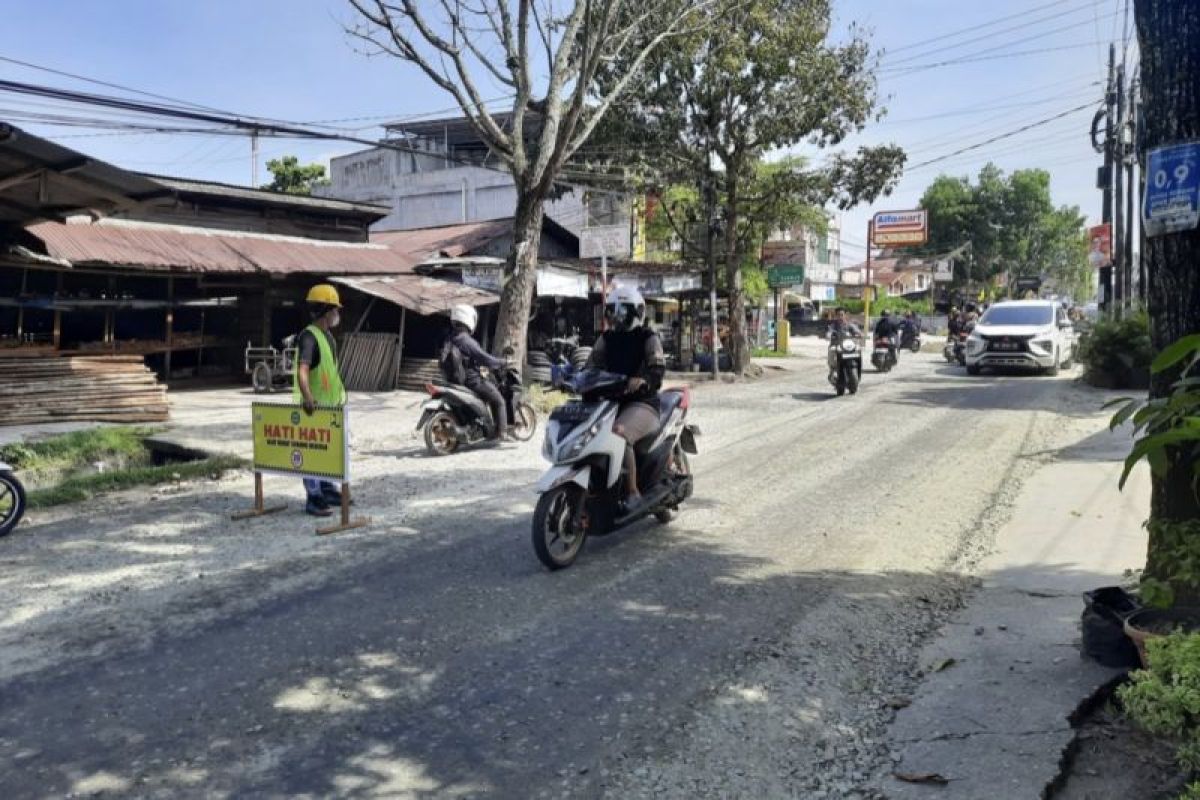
(317, 507)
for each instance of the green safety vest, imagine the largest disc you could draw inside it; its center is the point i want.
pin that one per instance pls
(323, 379)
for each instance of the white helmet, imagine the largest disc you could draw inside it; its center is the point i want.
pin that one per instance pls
(465, 315)
(625, 308)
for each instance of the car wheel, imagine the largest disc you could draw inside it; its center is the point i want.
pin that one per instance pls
(1053, 371)
(974, 369)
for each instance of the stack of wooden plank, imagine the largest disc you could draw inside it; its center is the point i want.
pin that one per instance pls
(417, 372)
(80, 389)
(369, 361)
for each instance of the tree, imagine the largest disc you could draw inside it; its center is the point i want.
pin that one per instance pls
(289, 175)
(457, 44)
(1169, 39)
(761, 76)
(1012, 225)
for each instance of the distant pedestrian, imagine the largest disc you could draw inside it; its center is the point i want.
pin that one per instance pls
(317, 381)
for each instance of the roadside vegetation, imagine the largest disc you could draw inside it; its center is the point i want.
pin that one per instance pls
(77, 466)
(1116, 353)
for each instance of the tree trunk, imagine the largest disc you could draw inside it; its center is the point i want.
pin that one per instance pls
(738, 344)
(520, 278)
(1169, 35)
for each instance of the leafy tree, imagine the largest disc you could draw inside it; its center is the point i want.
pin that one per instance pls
(546, 57)
(760, 76)
(289, 175)
(1012, 225)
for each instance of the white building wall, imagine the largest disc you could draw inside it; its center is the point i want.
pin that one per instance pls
(423, 192)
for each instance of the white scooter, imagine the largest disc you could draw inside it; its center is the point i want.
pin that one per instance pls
(582, 494)
(12, 500)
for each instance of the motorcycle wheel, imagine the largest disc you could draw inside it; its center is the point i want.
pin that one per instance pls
(261, 378)
(555, 541)
(915, 347)
(680, 468)
(524, 423)
(12, 502)
(850, 380)
(441, 436)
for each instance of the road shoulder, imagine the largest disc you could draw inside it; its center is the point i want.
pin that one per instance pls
(1004, 679)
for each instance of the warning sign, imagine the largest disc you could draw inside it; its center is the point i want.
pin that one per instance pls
(289, 442)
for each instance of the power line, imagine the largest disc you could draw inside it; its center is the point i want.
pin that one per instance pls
(991, 35)
(999, 137)
(980, 26)
(903, 72)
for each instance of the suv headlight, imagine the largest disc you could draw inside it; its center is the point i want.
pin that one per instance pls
(1045, 344)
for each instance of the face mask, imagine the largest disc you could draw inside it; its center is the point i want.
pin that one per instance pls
(335, 318)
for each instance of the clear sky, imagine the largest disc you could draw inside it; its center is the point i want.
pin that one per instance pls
(291, 60)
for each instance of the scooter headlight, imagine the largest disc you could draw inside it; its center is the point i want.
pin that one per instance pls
(849, 346)
(577, 444)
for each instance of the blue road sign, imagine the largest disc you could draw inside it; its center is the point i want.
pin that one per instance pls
(1172, 201)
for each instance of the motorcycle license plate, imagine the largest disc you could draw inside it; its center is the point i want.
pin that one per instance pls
(572, 412)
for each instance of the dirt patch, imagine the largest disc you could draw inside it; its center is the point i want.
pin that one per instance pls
(1113, 758)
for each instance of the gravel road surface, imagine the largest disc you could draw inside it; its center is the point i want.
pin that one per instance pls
(757, 646)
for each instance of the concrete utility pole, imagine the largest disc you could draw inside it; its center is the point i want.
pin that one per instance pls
(1106, 215)
(710, 253)
(1116, 151)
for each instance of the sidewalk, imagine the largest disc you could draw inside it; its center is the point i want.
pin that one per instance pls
(993, 715)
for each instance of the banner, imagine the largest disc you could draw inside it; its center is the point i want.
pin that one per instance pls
(553, 282)
(289, 442)
(1100, 246)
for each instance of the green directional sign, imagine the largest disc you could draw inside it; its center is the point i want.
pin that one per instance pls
(785, 275)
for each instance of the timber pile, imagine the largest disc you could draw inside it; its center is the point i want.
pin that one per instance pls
(82, 389)
(417, 372)
(369, 361)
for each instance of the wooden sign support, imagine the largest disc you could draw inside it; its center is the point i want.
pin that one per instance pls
(346, 523)
(259, 510)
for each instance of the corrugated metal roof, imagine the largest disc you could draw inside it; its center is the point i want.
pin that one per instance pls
(450, 241)
(420, 294)
(172, 248)
(42, 180)
(190, 186)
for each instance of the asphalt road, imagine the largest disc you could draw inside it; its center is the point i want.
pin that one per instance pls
(457, 667)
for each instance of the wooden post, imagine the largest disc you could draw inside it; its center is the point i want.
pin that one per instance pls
(259, 508)
(21, 308)
(400, 345)
(58, 312)
(200, 353)
(345, 523)
(265, 341)
(170, 321)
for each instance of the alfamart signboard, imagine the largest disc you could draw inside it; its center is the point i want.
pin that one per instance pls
(899, 228)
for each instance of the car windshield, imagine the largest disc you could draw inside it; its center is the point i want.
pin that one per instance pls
(1018, 315)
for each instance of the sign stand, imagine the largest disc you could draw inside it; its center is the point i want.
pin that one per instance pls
(346, 523)
(258, 510)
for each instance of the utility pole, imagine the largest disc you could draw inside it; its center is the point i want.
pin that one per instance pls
(1105, 180)
(1116, 149)
(254, 157)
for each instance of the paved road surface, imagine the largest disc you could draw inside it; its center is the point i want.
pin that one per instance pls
(456, 667)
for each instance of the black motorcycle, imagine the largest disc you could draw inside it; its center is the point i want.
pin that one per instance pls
(12, 500)
(845, 363)
(910, 339)
(454, 416)
(883, 356)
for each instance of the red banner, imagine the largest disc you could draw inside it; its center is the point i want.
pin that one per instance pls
(1100, 246)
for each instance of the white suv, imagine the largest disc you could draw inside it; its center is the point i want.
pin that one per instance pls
(1034, 334)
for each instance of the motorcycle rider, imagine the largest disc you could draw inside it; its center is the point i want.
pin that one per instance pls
(460, 361)
(841, 325)
(886, 329)
(631, 348)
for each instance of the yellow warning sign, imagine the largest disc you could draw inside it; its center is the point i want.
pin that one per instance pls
(289, 442)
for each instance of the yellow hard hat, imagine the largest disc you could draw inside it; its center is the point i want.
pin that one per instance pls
(325, 294)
